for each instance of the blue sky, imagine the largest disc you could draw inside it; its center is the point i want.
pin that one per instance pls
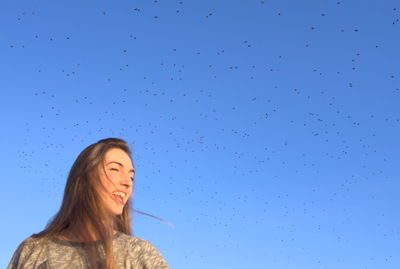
(265, 131)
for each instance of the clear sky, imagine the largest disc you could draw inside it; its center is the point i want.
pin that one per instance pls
(265, 131)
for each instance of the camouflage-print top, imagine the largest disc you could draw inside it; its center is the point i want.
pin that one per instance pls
(129, 252)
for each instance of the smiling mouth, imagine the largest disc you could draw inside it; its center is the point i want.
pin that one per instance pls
(118, 196)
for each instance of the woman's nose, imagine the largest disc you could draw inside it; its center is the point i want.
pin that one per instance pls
(126, 180)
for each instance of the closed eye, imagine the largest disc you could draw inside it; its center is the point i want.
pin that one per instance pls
(114, 169)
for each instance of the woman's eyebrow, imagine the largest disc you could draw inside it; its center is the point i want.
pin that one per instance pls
(120, 164)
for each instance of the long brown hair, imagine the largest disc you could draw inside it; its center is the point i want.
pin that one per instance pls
(82, 212)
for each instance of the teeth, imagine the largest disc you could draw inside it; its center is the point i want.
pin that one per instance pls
(119, 193)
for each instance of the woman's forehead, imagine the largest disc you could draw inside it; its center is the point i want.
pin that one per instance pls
(118, 155)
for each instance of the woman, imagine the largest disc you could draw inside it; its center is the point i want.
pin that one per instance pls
(93, 227)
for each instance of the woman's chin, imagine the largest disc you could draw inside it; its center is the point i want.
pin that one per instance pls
(117, 211)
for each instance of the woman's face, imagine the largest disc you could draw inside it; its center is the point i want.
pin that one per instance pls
(117, 179)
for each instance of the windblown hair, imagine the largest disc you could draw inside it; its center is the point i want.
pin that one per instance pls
(83, 212)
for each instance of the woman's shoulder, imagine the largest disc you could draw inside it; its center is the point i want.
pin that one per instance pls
(31, 242)
(133, 241)
(142, 250)
(27, 250)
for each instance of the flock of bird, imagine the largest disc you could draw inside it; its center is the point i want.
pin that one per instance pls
(231, 126)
